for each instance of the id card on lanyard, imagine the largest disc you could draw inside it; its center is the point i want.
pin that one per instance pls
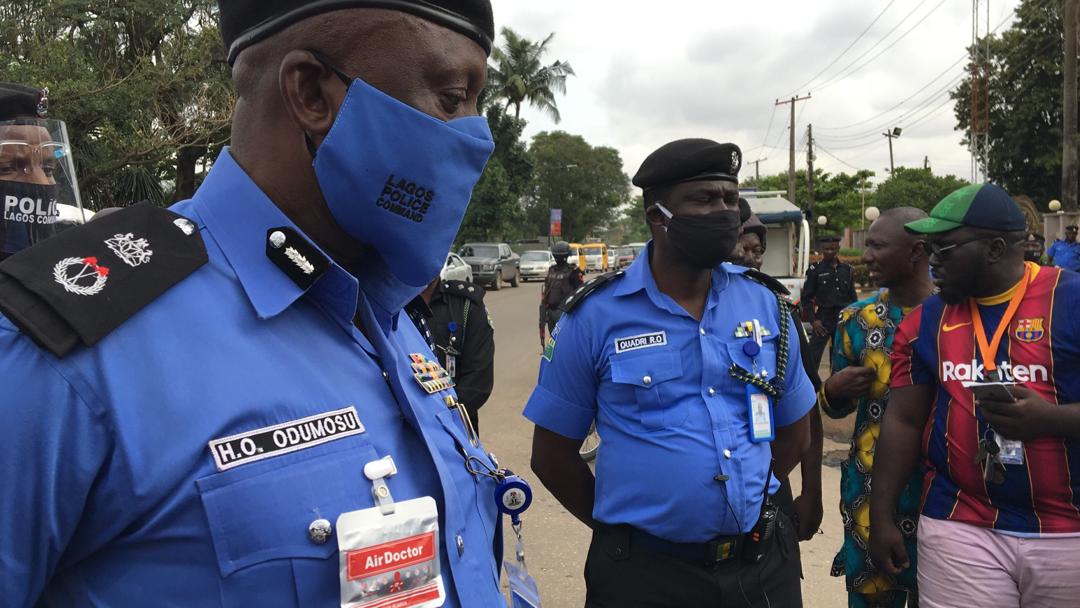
(1011, 450)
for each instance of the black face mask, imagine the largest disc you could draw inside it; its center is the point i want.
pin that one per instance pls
(704, 241)
(1032, 256)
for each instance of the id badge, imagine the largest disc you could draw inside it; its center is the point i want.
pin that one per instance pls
(391, 560)
(760, 415)
(524, 592)
(1012, 450)
(451, 365)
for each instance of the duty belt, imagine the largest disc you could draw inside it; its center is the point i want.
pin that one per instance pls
(709, 554)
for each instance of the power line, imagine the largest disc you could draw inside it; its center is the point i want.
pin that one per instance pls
(836, 158)
(844, 52)
(842, 76)
(944, 90)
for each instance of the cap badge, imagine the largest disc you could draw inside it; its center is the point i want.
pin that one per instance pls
(87, 281)
(735, 161)
(132, 251)
(43, 103)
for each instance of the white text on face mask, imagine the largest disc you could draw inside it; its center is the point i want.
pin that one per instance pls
(30, 211)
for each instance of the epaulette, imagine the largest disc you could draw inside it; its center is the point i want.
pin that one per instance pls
(771, 283)
(81, 284)
(587, 288)
(466, 290)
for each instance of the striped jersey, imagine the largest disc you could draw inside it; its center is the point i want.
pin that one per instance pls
(936, 345)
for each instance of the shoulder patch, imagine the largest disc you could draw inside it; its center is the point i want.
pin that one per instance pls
(80, 285)
(771, 283)
(471, 291)
(589, 287)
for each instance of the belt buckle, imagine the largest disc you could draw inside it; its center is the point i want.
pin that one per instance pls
(720, 551)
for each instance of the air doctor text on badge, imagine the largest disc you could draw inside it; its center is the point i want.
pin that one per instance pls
(30, 211)
(284, 438)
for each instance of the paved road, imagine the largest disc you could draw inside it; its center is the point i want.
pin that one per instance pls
(556, 542)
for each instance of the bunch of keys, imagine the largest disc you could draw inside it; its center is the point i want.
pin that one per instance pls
(989, 459)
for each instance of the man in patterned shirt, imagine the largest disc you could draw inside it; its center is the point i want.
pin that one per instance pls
(897, 261)
(1000, 516)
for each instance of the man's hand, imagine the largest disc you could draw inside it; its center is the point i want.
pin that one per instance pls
(887, 547)
(1029, 417)
(819, 328)
(850, 383)
(809, 511)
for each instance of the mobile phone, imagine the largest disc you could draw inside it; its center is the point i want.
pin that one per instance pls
(993, 391)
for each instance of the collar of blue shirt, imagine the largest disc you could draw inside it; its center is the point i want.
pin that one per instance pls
(238, 215)
(639, 277)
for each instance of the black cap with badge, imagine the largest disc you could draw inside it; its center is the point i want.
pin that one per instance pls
(689, 160)
(246, 22)
(20, 101)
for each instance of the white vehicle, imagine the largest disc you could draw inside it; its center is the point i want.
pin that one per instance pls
(535, 264)
(456, 269)
(787, 251)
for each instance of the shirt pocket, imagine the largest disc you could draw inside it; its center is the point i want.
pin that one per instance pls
(765, 360)
(651, 376)
(259, 515)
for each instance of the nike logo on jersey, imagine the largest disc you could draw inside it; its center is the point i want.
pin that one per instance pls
(948, 327)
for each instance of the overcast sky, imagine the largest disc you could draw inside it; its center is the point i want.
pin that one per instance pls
(648, 73)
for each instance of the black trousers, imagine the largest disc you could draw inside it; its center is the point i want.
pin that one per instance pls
(829, 318)
(620, 575)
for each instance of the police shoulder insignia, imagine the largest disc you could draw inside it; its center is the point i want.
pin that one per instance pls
(589, 287)
(80, 285)
(774, 286)
(462, 289)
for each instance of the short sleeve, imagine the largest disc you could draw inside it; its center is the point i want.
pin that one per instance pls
(564, 400)
(49, 461)
(798, 397)
(908, 368)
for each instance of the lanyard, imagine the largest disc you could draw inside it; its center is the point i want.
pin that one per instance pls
(989, 351)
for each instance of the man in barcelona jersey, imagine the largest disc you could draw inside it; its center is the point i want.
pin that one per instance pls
(984, 381)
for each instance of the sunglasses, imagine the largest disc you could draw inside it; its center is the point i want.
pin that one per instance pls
(943, 252)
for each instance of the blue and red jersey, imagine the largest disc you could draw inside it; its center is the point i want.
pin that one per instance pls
(936, 345)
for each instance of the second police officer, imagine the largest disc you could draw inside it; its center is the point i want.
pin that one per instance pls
(690, 370)
(829, 287)
(561, 281)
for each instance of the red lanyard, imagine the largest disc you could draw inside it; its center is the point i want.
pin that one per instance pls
(989, 351)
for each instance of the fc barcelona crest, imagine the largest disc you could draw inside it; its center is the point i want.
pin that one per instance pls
(430, 375)
(1030, 330)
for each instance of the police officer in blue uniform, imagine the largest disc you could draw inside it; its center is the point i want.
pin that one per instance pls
(217, 404)
(691, 371)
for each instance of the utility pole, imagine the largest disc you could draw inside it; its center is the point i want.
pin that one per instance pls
(757, 168)
(892, 135)
(926, 162)
(791, 156)
(810, 167)
(1069, 171)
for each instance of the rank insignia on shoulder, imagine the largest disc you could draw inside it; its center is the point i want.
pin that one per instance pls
(81, 284)
(430, 375)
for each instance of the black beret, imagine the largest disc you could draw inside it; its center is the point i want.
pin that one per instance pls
(18, 101)
(689, 160)
(828, 239)
(245, 22)
(1035, 236)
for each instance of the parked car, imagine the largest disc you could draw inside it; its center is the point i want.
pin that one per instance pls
(596, 257)
(624, 256)
(456, 269)
(492, 263)
(535, 264)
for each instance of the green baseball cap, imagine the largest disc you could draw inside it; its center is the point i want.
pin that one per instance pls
(978, 205)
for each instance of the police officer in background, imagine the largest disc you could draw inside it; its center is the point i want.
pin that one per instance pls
(689, 368)
(1065, 253)
(463, 340)
(211, 398)
(37, 174)
(829, 287)
(561, 281)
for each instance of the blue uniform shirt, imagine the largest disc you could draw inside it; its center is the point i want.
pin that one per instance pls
(111, 494)
(1066, 255)
(670, 416)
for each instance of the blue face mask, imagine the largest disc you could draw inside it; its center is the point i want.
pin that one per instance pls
(398, 179)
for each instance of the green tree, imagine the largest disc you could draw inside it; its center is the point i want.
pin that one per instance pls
(915, 187)
(142, 85)
(1025, 102)
(496, 212)
(586, 182)
(630, 227)
(518, 74)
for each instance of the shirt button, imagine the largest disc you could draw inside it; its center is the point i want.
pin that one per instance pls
(460, 545)
(712, 391)
(386, 376)
(277, 239)
(701, 330)
(647, 380)
(319, 531)
(727, 454)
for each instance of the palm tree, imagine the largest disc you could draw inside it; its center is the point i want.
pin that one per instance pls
(518, 74)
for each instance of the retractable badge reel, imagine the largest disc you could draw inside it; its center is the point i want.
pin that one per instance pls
(512, 497)
(389, 554)
(759, 405)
